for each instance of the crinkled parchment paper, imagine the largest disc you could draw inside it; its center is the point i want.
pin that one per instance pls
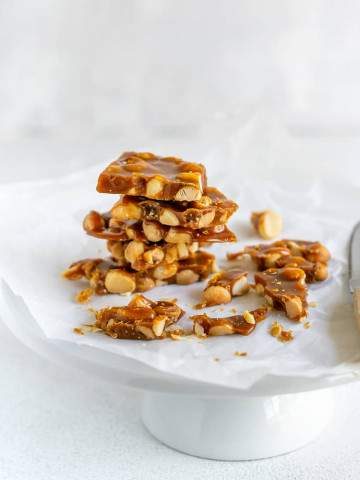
(42, 235)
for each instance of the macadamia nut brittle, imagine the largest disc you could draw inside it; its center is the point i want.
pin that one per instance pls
(151, 176)
(105, 276)
(104, 227)
(284, 289)
(141, 319)
(243, 324)
(223, 286)
(212, 209)
(312, 257)
(143, 256)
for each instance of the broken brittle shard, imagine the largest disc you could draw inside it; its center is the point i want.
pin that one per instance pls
(141, 319)
(284, 289)
(155, 177)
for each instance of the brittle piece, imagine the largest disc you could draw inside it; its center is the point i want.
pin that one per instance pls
(312, 257)
(105, 276)
(103, 226)
(141, 319)
(143, 256)
(213, 208)
(284, 289)
(244, 324)
(314, 271)
(268, 223)
(151, 176)
(223, 286)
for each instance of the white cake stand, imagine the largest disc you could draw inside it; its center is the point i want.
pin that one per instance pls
(272, 418)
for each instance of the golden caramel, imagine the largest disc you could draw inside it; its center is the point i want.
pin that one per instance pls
(152, 176)
(204, 326)
(141, 319)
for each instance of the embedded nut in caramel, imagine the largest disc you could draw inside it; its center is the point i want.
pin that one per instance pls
(187, 277)
(117, 281)
(223, 286)
(161, 178)
(268, 223)
(215, 295)
(167, 217)
(284, 289)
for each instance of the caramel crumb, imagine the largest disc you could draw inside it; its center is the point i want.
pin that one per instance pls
(84, 295)
(277, 331)
(216, 359)
(233, 310)
(313, 304)
(83, 329)
(240, 354)
(286, 336)
(307, 324)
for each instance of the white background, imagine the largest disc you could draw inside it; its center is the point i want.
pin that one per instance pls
(82, 80)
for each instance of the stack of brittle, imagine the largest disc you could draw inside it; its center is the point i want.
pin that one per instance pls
(155, 231)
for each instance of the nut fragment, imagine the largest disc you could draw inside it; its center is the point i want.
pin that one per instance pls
(84, 295)
(145, 283)
(152, 231)
(206, 219)
(118, 281)
(188, 194)
(293, 273)
(146, 331)
(164, 271)
(267, 223)
(186, 277)
(154, 256)
(133, 250)
(93, 222)
(177, 236)
(216, 294)
(154, 187)
(167, 217)
(218, 330)
(276, 329)
(124, 212)
(240, 286)
(270, 260)
(249, 317)
(199, 330)
(182, 250)
(159, 325)
(294, 307)
(269, 300)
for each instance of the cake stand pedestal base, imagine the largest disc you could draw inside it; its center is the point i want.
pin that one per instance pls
(237, 428)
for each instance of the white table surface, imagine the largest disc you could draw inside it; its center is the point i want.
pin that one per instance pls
(56, 423)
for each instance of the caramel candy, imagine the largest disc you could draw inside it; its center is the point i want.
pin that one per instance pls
(105, 276)
(223, 286)
(284, 289)
(268, 223)
(314, 271)
(212, 209)
(151, 176)
(204, 326)
(143, 256)
(103, 226)
(312, 257)
(141, 319)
